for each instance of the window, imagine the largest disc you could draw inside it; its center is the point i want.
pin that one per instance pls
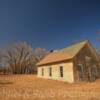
(42, 71)
(50, 71)
(61, 71)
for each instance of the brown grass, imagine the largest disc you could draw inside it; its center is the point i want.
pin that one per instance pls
(29, 87)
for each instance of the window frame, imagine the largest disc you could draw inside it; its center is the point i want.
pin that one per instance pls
(61, 71)
(42, 71)
(50, 71)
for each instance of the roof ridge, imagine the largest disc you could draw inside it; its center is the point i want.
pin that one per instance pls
(71, 45)
(80, 41)
(74, 44)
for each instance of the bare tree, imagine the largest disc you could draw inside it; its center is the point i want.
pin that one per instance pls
(20, 58)
(40, 53)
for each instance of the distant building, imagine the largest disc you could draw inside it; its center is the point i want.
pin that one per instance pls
(78, 62)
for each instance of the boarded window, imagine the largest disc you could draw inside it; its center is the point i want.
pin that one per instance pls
(61, 71)
(42, 71)
(50, 71)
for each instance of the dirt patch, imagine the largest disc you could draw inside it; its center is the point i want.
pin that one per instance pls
(5, 82)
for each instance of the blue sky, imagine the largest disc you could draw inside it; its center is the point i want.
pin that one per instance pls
(50, 24)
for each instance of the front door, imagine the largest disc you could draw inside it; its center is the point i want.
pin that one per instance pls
(81, 72)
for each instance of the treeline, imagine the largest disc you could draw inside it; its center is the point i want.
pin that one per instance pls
(20, 58)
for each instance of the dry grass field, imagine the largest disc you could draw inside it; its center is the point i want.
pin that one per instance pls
(29, 87)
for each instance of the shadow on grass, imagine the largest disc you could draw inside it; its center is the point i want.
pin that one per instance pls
(5, 82)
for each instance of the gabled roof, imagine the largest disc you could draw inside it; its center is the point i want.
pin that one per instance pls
(63, 54)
